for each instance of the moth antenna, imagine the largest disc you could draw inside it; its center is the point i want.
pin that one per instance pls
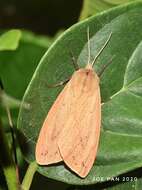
(88, 39)
(101, 50)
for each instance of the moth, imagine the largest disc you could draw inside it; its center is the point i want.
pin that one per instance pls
(71, 129)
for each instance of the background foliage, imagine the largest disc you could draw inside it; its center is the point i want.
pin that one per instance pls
(20, 53)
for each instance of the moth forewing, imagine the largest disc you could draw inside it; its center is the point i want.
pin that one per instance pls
(47, 151)
(78, 141)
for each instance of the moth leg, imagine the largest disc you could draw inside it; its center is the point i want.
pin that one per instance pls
(58, 84)
(74, 61)
(102, 103)
(105, 66)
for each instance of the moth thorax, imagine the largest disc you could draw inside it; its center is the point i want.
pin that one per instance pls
(89, 66)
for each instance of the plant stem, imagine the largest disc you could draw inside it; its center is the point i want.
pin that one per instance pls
(27, 181)
(13, 141)
(7, 162)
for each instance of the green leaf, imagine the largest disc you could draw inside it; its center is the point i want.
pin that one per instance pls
(128, 186)
(43, 41)
(10, 40)
(120, 148)
(17, 67)
(125, 106)
(118, 2)
(91, 7)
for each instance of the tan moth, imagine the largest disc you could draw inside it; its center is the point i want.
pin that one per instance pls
(71, 129)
